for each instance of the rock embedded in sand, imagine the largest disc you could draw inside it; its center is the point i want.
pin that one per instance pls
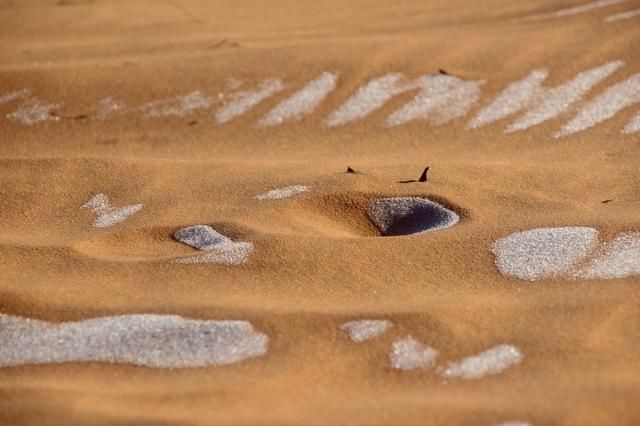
(220, 249)
(409, 354)
(489, 362)
(160, 341)
(107, 216)
(543, 252)
(362, 330)
(202, 237)
(409, 215)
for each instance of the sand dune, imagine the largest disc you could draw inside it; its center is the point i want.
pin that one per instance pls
(227, 269)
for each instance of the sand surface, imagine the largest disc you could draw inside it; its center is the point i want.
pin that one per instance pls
(193, 109)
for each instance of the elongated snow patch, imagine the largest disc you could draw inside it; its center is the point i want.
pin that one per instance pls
(604, 106)
(441, 98)
(302, 102)
(543, 252)
(178, 106)
(624, 15)
(13, 95)
(220, 249)
(409, 215)
(575, 10)
(106, 215)
(362, 330)
(243, 101)
(34, 110)
(632, 126)
(558, 100)
(289, 191)
(514, 98)
(108, 106)
(368, 98)
(409, 354)
(489, 362)
(161, 341)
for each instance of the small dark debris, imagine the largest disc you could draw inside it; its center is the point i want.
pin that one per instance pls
(350, 170)
(223, 43)
(193, 122)
(423, 177)
(607, 201)
(69, 117)
(443, 72)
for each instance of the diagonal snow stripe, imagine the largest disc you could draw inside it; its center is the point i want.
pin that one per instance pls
(605, 106)
(441, 99)
(623, 15)
(243, 101)
(302, 102)
(632, 126)
(367, 99)
(514, 98)
(558, 100)
(574, 10)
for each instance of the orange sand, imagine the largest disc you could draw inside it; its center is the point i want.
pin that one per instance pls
(317, 261)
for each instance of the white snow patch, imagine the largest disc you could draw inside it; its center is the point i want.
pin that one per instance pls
(362, 330)
(179, 106)
(159, 341)
(286, 192)
(489, 362)
(605, 106)
(409, 354)
(243, 101)
(301, 103)
(107, 216)
(558, 100)
(617, 259)
(441, 98)
(543, 252)
(514, 98)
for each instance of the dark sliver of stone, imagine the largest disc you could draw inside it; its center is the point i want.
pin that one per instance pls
(423, 177)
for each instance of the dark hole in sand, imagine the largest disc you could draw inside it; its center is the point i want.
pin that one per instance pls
(409, 215)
